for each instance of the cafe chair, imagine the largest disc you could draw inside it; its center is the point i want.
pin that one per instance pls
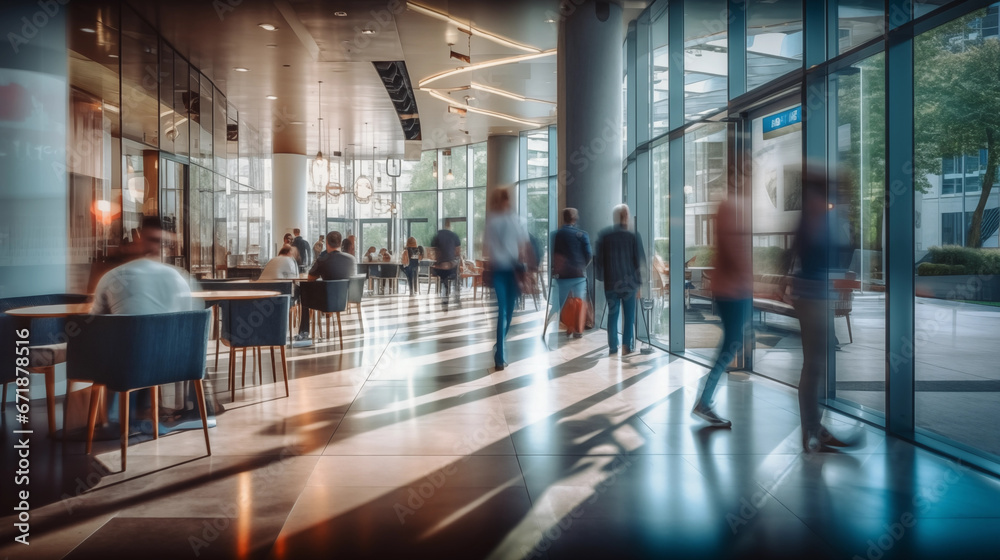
(325, 297)
(257, 324)
(47, 345)
(355, 293)
(123, 353)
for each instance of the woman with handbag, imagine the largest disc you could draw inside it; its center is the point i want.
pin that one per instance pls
(504, 246)
(571, 253)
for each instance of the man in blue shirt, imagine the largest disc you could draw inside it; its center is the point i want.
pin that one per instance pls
(446, 249)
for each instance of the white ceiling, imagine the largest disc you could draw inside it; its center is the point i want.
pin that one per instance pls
(317, 45)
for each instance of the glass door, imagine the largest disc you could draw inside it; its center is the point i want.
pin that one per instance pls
(173, 212)
(775, 151)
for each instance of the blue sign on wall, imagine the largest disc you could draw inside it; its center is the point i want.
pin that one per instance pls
(782, 119)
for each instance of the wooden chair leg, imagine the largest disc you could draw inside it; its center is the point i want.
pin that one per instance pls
(243, 381)
(95, 399)
(849, 333)
(328, 335)
(284, 369)
(65, 406)
(274, 371)
(232, 373)
(361, 317)
(259, 352)
(123, 419)
(218, 333)
(217, 353)
(340, 331)
(155, 411)
(50, 396)
(199, 390)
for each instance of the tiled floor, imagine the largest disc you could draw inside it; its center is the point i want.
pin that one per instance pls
(406, 443)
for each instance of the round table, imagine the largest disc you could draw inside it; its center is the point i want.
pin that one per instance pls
(233, 294)
(48, 311)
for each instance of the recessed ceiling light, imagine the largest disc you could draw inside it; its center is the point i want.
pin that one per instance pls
(550, 20)
(241, 69)
(87, 30)
(368, 31)
(112, 56)
(296, 122)
(340, 14)
(266, 26)
(272, 97)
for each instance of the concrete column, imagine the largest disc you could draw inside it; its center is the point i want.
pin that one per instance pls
(501, 167)
(289, 207)
(590, 112)
(34, 184)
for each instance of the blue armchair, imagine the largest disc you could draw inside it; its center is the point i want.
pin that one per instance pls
(229, 285)
(256, 323)
(47, 343)
(122, 353)
(326, 297)
(355, 293)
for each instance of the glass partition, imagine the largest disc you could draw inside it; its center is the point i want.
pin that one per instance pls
(774, 40)
(705, 187)
(706, 61)
(957, 213)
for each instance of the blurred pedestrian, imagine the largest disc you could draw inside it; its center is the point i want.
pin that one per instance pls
(411, 263)
(447, 249)
(619, 262)
(733, 291)
(571, 253)
(811, 298)
(335, 265)
(503, 246)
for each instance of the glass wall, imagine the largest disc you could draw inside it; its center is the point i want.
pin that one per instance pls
(705, 187)
(429, 193)
(158, 143)
(956, 217)
(931, 360)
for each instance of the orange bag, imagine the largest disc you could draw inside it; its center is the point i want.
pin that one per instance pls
(574, 314)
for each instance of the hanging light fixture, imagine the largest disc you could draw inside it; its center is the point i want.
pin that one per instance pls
(334, 189)
(363, 188)
(320, 165)
(450, 175)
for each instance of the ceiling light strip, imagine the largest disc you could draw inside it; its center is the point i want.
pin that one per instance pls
(486, 112)
(484, 64)
(474, 30)
(507, 94)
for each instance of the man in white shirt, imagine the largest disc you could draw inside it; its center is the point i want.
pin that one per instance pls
(281, 267)
(143, 286)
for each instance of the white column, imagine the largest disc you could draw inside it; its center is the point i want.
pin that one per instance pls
(289, 205)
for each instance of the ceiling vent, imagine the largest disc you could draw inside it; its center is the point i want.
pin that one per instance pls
(397, 84)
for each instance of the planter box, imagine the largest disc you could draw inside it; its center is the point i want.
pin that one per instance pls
(965, 286)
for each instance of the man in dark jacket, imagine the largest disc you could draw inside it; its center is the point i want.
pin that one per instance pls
(619, 263)
(570, 255)
(305, 252)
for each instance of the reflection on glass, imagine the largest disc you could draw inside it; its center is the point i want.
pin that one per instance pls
(478, 220)
(140, 85)
(706, 50)
(774, 39)
(538, 214)
(957, 217)
(659, 251)
(705, 187)
(659, 78)
(858, 199)
(537, 154)
(776, 202)
(859, 21)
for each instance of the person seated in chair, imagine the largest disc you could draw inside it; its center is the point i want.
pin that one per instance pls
(334, 265)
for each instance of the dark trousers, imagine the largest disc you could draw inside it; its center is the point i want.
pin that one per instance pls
(617, 300)
(447, 277)
(411, 277)
(734, 319)
(505, 287)
(814, 326)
